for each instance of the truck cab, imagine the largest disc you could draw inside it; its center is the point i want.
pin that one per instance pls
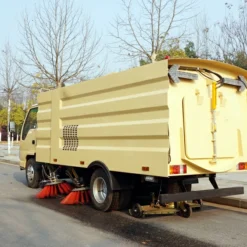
(28, 137)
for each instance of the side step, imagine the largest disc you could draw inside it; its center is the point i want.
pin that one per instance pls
(200, 194)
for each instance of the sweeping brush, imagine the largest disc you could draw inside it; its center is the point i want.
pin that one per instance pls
(77, 196)
(54, 189)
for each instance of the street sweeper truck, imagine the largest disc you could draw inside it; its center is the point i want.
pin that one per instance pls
(151, 131)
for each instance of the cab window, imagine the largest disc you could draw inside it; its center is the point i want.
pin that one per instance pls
(30, 123)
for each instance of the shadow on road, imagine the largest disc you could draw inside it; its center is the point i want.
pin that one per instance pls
(121, 224)
(20, 177)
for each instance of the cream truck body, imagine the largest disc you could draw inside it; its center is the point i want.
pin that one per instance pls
(144, 122)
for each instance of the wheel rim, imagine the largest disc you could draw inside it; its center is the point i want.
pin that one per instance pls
(99, 190)
(30, 173)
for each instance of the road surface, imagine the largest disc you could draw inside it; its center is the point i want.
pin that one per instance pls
(27, 221)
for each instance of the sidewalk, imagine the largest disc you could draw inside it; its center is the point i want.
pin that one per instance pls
(224, 180)
(13, 158)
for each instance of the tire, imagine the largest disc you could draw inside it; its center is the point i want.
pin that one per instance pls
(33, 174)
(175, 188)
(136, 211)
(186, 213)
(125, 199)
(102, 196)
(121, 200)
(188, 187)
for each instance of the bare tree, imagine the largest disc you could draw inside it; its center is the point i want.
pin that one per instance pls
(59, 44)
(11, 76)
(205, 35)
(231, 40)
(202, 36)
(146, 34)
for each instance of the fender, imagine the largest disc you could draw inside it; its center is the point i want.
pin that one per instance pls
(118, 181)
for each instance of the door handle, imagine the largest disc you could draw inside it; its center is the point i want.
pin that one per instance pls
(33, 142)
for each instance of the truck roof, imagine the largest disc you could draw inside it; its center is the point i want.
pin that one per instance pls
(213, 65)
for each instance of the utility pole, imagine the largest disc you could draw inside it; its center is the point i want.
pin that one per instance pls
(8, 123)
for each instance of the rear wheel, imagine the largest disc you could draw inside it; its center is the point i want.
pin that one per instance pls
(33, 173)
(122, 199)
(103, 198)
(125, 199)
(175, 188)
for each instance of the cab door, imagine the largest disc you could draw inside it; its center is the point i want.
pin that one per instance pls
(28, 136)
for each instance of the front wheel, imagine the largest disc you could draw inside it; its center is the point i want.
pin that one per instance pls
(33, 173)
(103, 198)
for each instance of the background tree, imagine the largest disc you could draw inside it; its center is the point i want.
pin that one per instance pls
(231, 41)
(10, 77)
(59, 44)
(202, 37)
(34, 90)
(190, 50)
(17, 115)
(146, 34)
(173, 51)
(3, 117)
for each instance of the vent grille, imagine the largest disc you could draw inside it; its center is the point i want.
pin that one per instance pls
(70, 137)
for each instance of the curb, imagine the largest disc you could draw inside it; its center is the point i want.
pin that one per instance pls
(228, 201)
(10, 162)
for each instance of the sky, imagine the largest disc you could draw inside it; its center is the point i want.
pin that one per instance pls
(102, 12)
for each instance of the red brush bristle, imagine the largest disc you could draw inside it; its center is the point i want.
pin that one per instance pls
(42, 194)
(77, 198)
(45, 192)
(55, 191)
(82, 198)
(60, 189)
(51, 191)
(71, 198)
(68, 186)
(48, 191)
(86, 196)
(65, 188)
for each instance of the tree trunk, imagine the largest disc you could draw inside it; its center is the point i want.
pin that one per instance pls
(153, 57)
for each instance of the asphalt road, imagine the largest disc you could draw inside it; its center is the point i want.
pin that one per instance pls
(27, 221)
